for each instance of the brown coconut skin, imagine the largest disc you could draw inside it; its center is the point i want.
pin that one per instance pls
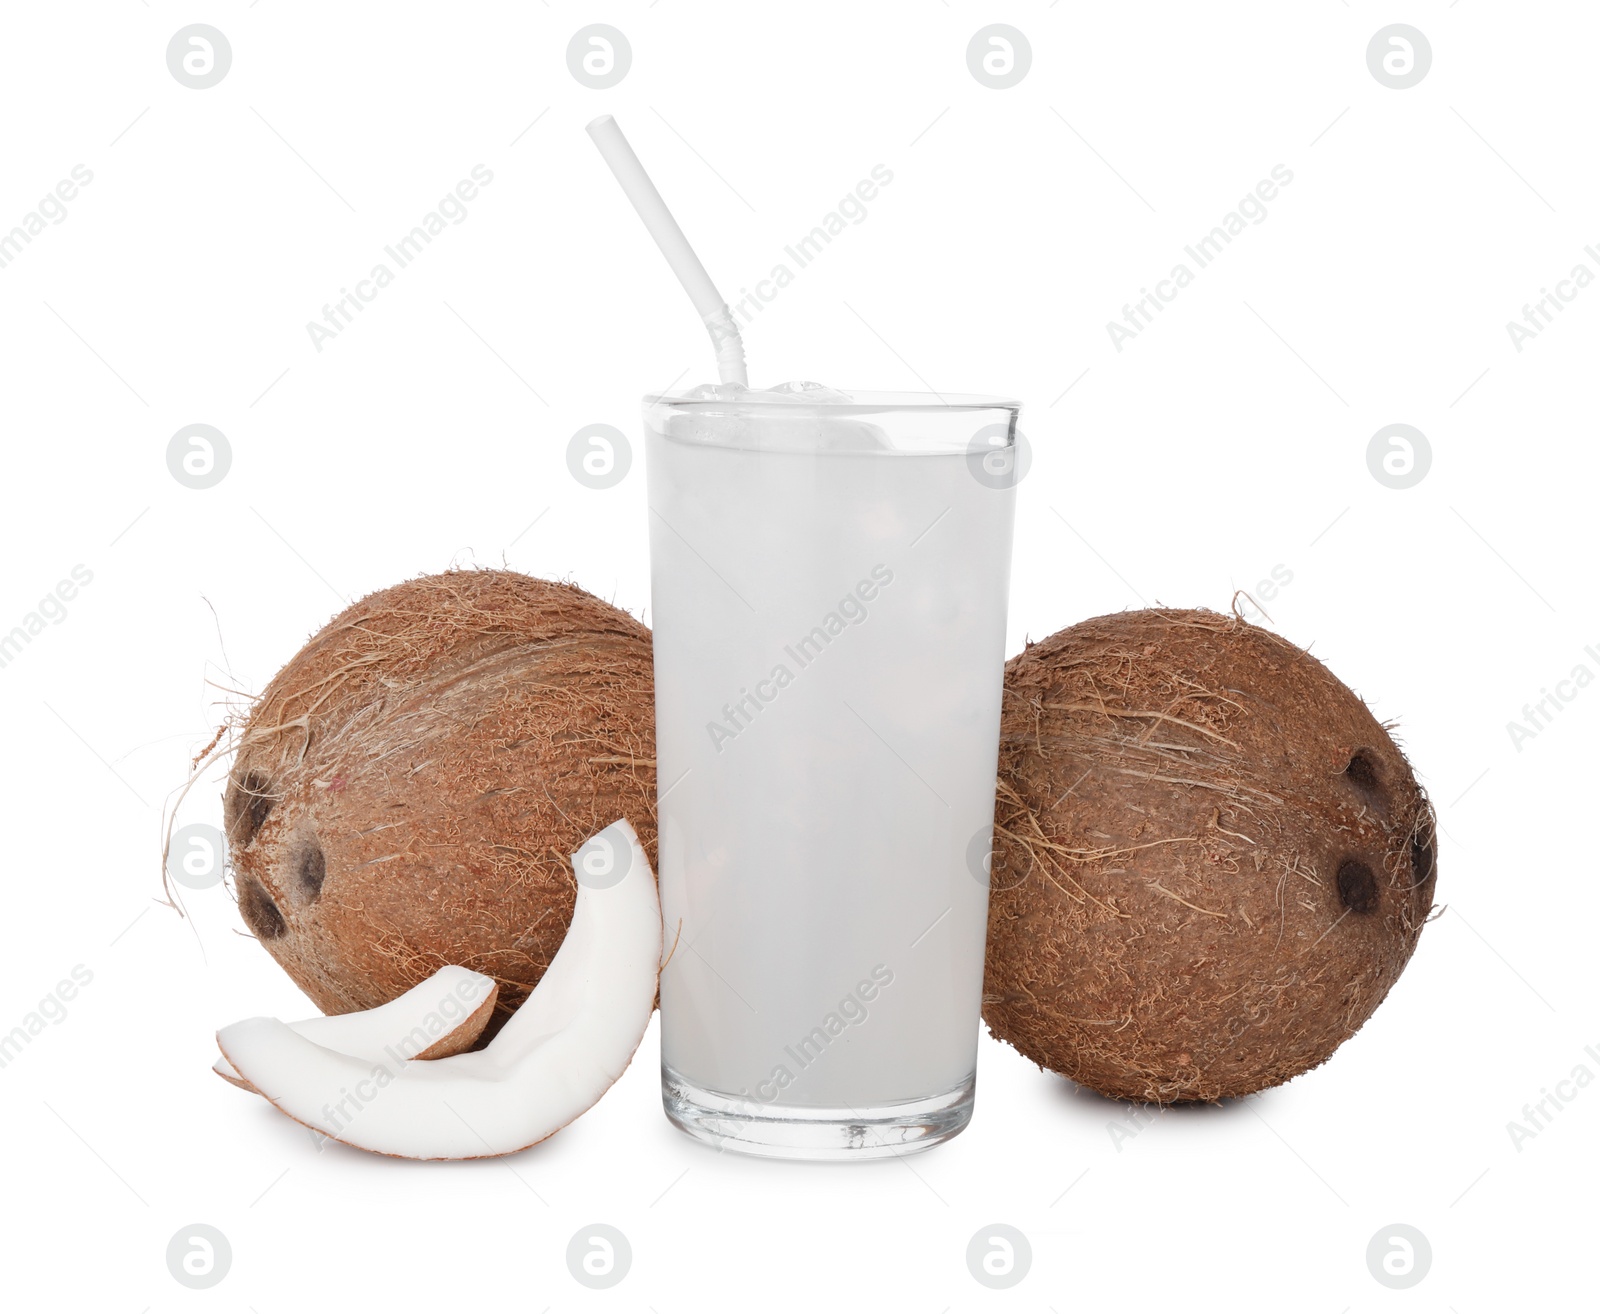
(1211, 861)
(407, 791)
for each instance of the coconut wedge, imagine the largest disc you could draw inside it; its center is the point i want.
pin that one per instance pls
(436, 1018)
(560, 1052)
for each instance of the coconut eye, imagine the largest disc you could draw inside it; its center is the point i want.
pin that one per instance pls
(1361, 771)
(248, 803)
(311, 869)
(1358, 887)
(1421, 859)
(260, 913)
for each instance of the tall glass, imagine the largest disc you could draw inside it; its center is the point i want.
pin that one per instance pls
(829, 576)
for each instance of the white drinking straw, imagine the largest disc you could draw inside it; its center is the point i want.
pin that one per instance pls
(674, 245)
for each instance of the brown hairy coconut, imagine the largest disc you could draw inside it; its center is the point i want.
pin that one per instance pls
(407, 790)
(1211, 862)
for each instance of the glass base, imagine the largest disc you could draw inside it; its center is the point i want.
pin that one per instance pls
(790, 1131)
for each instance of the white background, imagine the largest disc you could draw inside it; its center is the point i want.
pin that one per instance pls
(1230, 437)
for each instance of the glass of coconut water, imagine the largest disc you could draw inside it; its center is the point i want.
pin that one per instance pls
(829, 576)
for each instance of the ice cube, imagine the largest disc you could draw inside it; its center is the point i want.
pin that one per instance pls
(805, 430)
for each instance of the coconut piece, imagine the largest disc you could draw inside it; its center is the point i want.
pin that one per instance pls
(405, 791)
(1211, 861)
(444, 1015)
(560, 1052)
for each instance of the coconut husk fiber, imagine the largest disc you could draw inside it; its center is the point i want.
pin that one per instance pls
(1211, 861)
(408, 789)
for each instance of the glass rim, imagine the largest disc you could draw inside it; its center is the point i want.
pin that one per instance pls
(861, 402)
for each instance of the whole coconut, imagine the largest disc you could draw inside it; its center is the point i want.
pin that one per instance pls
(407, 790)
(1211, 862)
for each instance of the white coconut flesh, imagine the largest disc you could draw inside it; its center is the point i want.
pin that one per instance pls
(447, 1012)
(560, 1052)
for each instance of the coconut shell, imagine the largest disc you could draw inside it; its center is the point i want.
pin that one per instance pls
(407, 791)
(1211, 861)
